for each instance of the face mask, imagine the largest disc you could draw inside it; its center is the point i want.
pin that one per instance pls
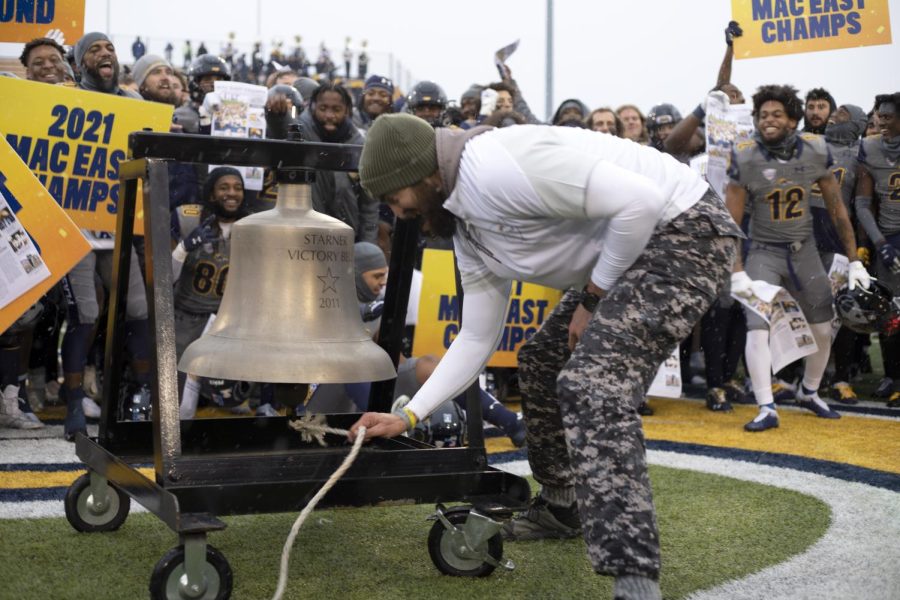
(782, 149)
(891, 147)
(842, 134)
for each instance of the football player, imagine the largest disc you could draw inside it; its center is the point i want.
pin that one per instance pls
(819, 106)
(771, 175)
(200, 264)
(878, 192)
(842, 134)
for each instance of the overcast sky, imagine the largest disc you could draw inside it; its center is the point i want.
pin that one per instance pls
(606, 53)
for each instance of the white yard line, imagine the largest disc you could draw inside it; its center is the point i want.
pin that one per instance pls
(856, 558)
(38, 451)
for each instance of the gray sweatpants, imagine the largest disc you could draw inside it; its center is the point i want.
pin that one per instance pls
(81, 283)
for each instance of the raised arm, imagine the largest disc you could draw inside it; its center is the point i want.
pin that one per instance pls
(519, 104)
(680, 138)
(732, 31)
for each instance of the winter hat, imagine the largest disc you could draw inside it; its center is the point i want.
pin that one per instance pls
(144, 65)
(379, 82)
(82, 45)
(857, 117)
(306, 86)
(474, 91)
(570, 103)
(399, 152)
(366, 257)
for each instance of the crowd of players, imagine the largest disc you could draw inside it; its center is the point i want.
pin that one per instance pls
(787, 178)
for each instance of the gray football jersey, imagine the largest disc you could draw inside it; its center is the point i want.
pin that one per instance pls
(778, 191)
(886, 174)
(200, 287)
(844, 170)
(202, 282)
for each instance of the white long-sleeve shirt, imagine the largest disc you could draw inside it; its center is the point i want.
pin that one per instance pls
(555, 206)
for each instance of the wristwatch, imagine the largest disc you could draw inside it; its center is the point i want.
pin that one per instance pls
(589, 300)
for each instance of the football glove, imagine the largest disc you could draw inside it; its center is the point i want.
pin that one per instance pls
(857, 276)
(732, 31)
(205, 233)
(890, 257)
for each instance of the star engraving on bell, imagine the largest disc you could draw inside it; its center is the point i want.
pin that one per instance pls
(329, 281)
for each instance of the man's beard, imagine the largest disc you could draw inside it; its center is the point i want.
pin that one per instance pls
(165, 96)
(817, 129)
(104, 85)
(376, 109)
(439, 221)
(225, 214)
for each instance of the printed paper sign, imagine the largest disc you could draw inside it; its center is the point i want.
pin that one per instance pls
(838, 274)
(667, 383)
(773, 27)
(726, 125)
(38, 242)
(24, 20)
(74, 140)
(242, 113)
(790, 337)
(438, 319)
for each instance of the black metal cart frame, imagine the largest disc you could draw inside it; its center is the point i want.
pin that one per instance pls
(211, 467)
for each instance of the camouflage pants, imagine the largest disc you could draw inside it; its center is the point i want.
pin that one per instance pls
(580, 409)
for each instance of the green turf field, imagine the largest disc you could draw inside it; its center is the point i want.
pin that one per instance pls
(713, 529)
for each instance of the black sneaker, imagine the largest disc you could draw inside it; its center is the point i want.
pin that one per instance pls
(885, 388)
(517, 435)
(770, 421)
(644, 409)
(736, 394)
(542, 521)
(717, 400)
(894, 400)
(843, 393)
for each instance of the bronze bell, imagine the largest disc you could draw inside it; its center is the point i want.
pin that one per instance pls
(289, 313)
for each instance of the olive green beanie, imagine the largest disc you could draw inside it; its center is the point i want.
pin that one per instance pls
(399, 152)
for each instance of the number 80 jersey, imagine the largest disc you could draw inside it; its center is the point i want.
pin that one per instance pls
(778, 191)
(200, 286)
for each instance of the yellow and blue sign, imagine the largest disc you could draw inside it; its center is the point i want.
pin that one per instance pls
(438, 318)
(774, 27)
(24, 20)
(59, 241)
(74, 141)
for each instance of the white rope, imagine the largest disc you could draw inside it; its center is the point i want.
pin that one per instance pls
(314, 428)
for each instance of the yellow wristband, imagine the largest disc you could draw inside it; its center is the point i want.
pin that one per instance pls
(411, 416)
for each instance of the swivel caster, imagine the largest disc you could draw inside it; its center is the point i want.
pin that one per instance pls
(95, 507)
(169, 580)
(465, 543)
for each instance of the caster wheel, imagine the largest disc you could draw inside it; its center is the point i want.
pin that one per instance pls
(87, 515)
(450, 554)
(168, 579)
